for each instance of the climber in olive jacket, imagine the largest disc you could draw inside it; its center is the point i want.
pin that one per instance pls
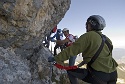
(104, 66)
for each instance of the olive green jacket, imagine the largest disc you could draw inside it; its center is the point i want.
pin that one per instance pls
(88, 45)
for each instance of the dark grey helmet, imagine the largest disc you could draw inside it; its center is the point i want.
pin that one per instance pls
(59, 30)
(97, 22)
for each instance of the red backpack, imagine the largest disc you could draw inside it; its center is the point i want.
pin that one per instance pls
(54, 29)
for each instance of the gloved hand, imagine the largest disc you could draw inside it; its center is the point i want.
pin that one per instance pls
(51, 59)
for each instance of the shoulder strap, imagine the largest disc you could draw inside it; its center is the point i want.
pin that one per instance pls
(99, 50)
(106, 41)
(109, 45)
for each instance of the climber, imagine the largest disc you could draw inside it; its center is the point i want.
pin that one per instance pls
(101, 66)
(68, 41)
(58, 36)
(47, 38)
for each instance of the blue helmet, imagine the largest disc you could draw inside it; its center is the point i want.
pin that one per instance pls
(59, 30)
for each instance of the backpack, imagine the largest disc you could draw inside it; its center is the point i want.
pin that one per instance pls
(75, 37)
(54, 29)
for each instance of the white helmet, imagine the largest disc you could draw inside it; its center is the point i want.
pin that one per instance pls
(65, 29)
(97, 22)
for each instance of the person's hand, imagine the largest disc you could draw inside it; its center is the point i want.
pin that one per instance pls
(51, 59)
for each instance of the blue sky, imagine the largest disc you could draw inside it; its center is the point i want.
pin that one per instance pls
(111, 10)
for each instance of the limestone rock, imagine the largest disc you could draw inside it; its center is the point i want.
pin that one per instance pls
(13, 69)
(23, 26)
(25, 23)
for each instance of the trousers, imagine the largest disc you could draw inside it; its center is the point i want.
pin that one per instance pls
(108, 78)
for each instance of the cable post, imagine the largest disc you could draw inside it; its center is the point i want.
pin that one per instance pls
(51, 68)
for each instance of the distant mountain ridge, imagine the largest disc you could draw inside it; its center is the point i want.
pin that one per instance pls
(121, 74)
(118, 55)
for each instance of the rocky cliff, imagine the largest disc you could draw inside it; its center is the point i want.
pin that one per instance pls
(23, 26)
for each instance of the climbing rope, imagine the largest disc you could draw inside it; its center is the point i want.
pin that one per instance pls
(65, 67)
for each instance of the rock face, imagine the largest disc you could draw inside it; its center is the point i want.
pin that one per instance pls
(24, 23)
(13, 69)
(23, 26)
